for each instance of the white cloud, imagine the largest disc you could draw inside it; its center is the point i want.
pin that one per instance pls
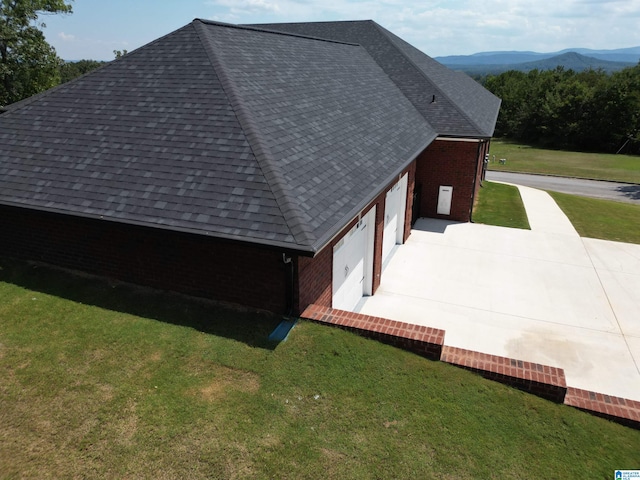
(438, 27)
(469, 26)
(247, 5)
(66, 37)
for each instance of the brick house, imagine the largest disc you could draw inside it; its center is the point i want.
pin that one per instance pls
(273, 166)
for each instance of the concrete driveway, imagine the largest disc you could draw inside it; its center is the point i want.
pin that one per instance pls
(544, 295)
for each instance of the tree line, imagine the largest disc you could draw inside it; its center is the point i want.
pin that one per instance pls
(589, 110)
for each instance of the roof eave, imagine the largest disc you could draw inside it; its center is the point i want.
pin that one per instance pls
(249, 241)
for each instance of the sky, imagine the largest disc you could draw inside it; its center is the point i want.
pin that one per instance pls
(439, 28)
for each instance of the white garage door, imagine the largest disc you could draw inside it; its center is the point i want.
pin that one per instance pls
(394, 211)
(353, 264)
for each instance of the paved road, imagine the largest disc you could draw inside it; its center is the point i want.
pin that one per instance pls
(621, 192)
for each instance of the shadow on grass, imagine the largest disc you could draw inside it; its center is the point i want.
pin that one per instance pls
(244, 325)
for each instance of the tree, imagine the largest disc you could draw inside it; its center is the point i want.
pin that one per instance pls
(71, 70)
(589, 110)
(28, 64)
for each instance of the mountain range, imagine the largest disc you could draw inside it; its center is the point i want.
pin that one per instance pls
(577, 59)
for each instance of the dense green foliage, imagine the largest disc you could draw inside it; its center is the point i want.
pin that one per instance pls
(28, 64)
(71, 70)
(589, 110)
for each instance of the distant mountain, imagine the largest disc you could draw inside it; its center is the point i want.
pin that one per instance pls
(576, 59)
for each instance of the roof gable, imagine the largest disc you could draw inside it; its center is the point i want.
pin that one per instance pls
(219, 130)
(453, 103)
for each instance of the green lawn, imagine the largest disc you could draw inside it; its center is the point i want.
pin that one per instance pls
(106, 381)
(501, 205)
(528, 159)
(595, 218)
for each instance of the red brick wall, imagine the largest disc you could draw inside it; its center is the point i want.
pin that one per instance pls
(411, 185)
(315, 279)
(377, 240)
(449, 163)
(190, 264)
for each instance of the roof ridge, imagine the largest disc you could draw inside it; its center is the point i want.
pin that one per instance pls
(256, 28)
(386, 33)
(273, 175)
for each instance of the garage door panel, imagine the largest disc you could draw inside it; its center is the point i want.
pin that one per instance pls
(350, 259)
(394, 216)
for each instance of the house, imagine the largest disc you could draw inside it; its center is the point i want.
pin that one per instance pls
(273, 166)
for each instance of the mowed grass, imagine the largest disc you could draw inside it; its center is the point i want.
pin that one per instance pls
(528, 159)
(501, 205)
(604, 219)
(103, 381)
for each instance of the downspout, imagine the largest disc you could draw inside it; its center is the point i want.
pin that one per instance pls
(485, 161)
(281, 332)
(289, 276)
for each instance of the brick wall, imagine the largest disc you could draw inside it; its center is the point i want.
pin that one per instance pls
(455, 163)
(377, 241)
(190, 264)
(411, 186)
(314, 279)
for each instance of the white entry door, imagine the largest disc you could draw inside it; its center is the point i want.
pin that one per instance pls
(353, 265)
(394, 212)
(445, 195)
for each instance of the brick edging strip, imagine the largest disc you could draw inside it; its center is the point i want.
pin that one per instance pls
(422, 340)
(620, 410)
(541, 380)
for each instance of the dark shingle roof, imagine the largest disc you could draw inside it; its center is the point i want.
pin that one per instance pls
(220, 130)
(462, 107)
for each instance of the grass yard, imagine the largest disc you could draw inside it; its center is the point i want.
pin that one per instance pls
(108, 381)
(500, 205)
(600, 166)
(604, 219)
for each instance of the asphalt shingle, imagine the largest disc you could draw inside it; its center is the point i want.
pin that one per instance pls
(227, 131)
(150, 138)
(462, 107)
